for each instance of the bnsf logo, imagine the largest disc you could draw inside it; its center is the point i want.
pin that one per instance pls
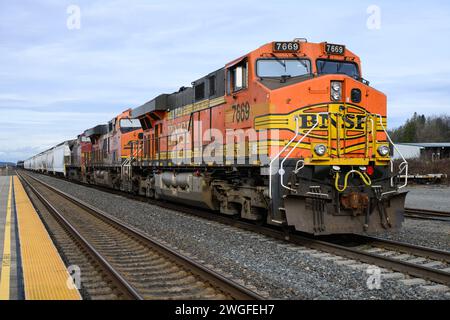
(326, 119)
(349, 121)
(334, 120)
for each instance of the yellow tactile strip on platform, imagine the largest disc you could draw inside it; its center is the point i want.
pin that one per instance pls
(45, 275)
(6, 258)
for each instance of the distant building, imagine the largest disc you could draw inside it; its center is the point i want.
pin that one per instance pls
(408, 151)
(426, 151)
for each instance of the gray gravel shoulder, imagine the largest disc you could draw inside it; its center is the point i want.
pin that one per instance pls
(433, 234)
(281, 270)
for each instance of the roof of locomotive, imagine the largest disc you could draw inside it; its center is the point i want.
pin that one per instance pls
(97, 130)
(157, 104)
(187, 95)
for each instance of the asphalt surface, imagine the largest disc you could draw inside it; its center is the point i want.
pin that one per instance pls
(433, 197)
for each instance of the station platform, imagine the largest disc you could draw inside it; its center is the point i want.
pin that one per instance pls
(30, 265)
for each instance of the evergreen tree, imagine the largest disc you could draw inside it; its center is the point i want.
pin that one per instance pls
(423, 129)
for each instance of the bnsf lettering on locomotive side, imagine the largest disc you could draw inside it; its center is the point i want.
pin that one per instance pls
(351, 121)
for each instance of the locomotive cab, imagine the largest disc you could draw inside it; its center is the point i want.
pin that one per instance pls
(331, 170)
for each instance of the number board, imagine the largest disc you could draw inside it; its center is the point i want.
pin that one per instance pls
(241, 112)
(335, 49)
(286, 46)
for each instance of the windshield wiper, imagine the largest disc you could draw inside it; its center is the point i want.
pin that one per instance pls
(284, 77)
(303, 62)
(323, 66)
(280, 61)
(283, 64)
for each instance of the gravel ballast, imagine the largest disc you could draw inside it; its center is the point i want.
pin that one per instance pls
(281, 270)
(433, 234)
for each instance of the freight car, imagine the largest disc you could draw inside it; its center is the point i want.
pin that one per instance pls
(54, 160)
(289, 134)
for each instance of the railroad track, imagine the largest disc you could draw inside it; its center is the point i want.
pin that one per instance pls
(138, 266)
(96, 281)
(427, 214)
(414, 261)
(417, 261)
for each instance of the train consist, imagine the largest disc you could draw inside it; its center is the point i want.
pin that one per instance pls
(289, 134)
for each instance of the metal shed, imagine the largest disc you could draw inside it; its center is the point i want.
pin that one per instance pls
(428, 151)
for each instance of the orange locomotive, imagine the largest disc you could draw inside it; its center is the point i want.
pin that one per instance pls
(110, 151)
(290, 134)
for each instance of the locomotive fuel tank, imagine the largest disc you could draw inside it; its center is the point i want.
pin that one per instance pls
(189, 188)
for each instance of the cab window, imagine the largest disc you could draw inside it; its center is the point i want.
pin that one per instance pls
(338, 67)
(279, 68)
(128, 125)
(237, 77)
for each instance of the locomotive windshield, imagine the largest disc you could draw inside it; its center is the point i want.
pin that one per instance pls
(278, 68)
(338, 67)
(128, 125)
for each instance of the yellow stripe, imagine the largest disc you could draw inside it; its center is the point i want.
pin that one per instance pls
(44, 273)
(198, 106)
(6, 262)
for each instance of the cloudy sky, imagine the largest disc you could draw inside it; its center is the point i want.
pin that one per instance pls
(55, 81)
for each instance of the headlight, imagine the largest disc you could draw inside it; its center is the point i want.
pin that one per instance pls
(336, 96)
(320, 149)
(336, 90)
(384, 151)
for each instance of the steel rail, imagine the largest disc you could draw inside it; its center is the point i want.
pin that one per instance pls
(408, 248)
(119, 281)
(230, 287)
(405, 267)
(412, 269)
(427, 214)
